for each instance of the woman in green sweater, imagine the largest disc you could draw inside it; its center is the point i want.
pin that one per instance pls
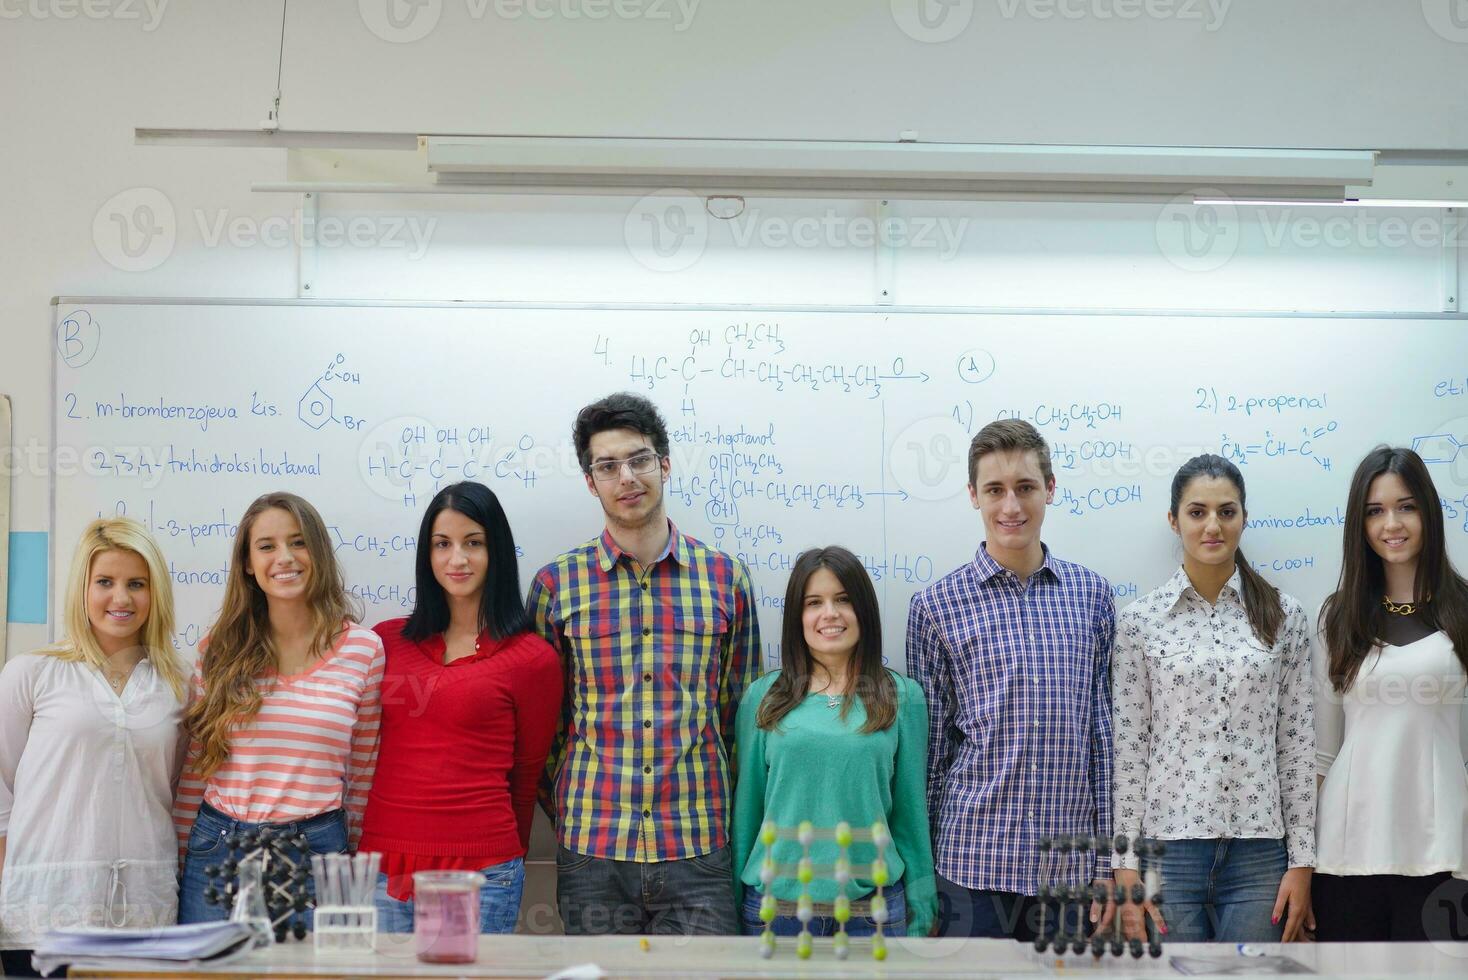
(833, 737)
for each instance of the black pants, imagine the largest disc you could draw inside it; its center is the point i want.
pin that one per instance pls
(1390, 908)
(980, 914)
(16, 963)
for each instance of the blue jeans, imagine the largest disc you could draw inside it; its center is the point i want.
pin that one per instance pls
(499, 901)
(326, 833)
(825, 925)
(1222, 890)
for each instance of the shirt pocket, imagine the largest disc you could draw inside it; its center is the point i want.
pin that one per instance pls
(1176, 677)
(1258, 666)
(594, 633)
(696, 658)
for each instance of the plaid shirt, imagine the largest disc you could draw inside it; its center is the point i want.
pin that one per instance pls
(655, 664)
(1018, 688)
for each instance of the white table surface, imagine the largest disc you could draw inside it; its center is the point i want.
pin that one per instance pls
(666, 956)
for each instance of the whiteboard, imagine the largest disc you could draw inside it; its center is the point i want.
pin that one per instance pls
(789, 429)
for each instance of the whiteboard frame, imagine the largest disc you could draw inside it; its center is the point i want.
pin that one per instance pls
(57, 302)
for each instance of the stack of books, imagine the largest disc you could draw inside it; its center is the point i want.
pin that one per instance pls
(166, 947)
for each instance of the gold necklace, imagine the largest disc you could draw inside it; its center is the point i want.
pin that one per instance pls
(1398, 608)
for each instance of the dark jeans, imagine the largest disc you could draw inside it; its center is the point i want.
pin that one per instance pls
(602, 896)
(1390, 908)
(824, 925)
(978, 913)
(326, 833)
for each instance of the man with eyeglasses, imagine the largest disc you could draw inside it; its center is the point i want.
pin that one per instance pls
(659, 638)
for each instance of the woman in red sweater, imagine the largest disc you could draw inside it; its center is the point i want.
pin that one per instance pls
(470, 701)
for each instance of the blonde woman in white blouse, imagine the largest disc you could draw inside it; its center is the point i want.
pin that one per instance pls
(1392, 723)
(1214, 737)
(90, 751)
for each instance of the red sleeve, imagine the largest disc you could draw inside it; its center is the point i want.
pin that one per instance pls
(537, 693)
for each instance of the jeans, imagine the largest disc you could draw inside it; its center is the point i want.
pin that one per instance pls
(499, 901)
(326, 833)
(825, 925)
(603, 896)
(1222, 890)
(978, 913)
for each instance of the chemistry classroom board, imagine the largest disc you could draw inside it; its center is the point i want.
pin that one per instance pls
(788, 429)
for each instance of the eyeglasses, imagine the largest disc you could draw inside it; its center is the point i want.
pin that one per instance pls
(611, 469)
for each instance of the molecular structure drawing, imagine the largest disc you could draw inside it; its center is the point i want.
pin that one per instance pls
(1441, 448)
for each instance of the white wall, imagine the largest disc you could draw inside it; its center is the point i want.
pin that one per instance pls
(1304, 73)
(1328, 73)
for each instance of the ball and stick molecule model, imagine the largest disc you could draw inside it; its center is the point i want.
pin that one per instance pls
(1062, 863)
(280, 898)
(841, 871)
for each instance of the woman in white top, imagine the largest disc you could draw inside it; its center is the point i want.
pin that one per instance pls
(1213, 730)
(90, 751)
(1391, 727)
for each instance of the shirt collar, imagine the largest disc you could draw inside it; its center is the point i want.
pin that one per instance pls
(1180, 585)
(608, 554)
(987, 567)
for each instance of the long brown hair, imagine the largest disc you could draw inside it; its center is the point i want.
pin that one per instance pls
(1261, 600)
(241, 647)
(1352, 618)
(872, 680)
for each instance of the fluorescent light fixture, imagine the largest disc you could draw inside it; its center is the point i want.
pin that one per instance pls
(277, 139)
(1369, 202)
(953, 171)
(905, 170)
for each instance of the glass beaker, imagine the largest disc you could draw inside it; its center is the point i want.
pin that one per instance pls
(446, 915)
(249, 900)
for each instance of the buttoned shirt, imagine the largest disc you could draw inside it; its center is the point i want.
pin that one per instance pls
(656, 659)
(1019, 748)
(86, 780)
(1215, 733)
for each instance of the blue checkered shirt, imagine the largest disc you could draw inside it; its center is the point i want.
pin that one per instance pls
(1017, 677)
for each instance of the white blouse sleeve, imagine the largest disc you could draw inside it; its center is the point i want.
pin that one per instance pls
(1463, 723)
(17, 702)
(1131, 699)
(1295, 740)
(1330, 713)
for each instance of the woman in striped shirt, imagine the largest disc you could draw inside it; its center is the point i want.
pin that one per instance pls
(284, 714)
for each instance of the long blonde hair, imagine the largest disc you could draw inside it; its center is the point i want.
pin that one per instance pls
(79, 644)
(241, 647)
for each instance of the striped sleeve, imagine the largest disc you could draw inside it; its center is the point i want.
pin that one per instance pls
(190, 784)
(363, 762)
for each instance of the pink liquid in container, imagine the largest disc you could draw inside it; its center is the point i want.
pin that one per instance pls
(446, 915)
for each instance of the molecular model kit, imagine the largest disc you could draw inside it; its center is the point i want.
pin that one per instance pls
(1063, 860)
(263, 881)
(841, 871)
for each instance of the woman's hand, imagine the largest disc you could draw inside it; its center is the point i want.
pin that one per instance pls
(1133, 923)
(1293, 903)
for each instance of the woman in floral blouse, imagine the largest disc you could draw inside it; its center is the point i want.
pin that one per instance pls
(1214, 722)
